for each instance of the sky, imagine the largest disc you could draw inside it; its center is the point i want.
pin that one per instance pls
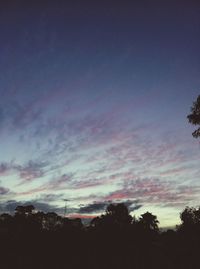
(94, 101)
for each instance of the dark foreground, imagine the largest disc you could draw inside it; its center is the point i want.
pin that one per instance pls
(114, 240)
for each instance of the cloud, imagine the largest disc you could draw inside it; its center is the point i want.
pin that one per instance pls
(11, 205)
(135, 207)
(4, 167)
(88, 183)
(124, 161)
(31, 170)
(26, 172)
(98, 207)
(51, 197)
(44, 203)
(22, 115)
(153, 191)
(4, 191)
(54, 184)
(93, 208)
(174, 171)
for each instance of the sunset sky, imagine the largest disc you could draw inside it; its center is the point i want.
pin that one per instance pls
(93, 106)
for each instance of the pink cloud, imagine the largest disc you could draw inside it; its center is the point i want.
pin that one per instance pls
(81, 216)
(174, 171)
(55, 184)
(153, 191)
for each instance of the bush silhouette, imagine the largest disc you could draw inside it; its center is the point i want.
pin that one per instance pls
(115, 239)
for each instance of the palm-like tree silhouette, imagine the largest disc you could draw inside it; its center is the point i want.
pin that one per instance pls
(149, 222)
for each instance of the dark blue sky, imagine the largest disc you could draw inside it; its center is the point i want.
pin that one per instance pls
(94, 99)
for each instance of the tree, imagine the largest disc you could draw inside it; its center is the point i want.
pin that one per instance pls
(194, 117)
(119, 214)
(149, 222)
(190, 217)
(116, 215)
(26, 219)
(52, 221)
(6, 221)
(24, 210)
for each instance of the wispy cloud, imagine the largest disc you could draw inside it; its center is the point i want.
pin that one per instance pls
(54, 184)
(154, 191)
(106, 155)
(30, 171)
(25, 172)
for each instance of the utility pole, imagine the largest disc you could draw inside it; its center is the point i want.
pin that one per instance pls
(65, 207)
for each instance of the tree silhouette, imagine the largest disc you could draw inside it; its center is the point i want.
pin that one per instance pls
(149, 222)
(194, 117)
(52, 221)
(33, 239)
(190, 218)
(6, 221)
(24, 210)
(116, 215)
(27, 219)
(119, 213)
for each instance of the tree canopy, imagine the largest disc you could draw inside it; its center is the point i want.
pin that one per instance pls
(34, 239)
(194, 117)
(149, 221)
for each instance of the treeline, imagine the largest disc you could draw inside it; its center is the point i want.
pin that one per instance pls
(31, 239)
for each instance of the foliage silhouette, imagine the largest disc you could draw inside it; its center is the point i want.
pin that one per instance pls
(31, 239)
(149, 222)
(117, 215)
(194, 117)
